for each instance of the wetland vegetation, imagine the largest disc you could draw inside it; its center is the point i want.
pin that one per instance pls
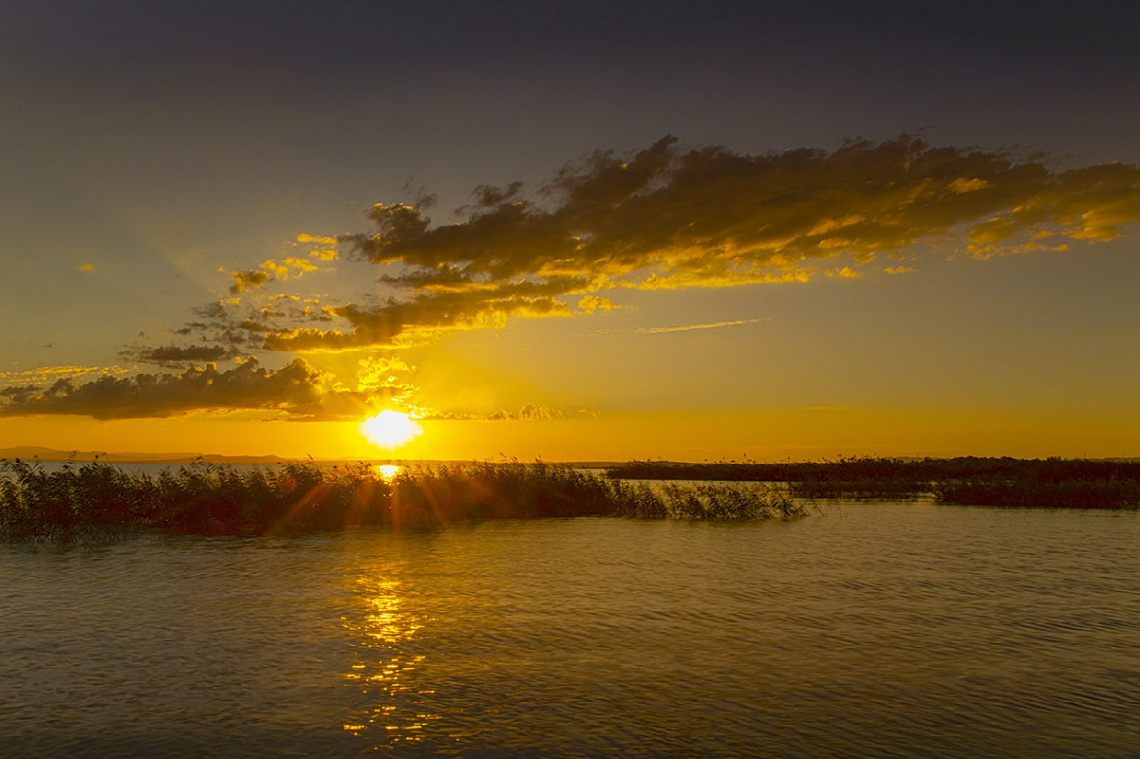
(100, 501)
(967, 480)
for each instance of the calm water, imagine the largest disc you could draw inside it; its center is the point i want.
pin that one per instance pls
(864, 630)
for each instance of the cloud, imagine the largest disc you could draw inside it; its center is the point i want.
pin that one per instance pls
(271, 271)
(53, 373)
(668, 218)
(380, 371)
(20, 393)
(663, 218)
(528, 413)
(296, 389)
(316, 239)
(420, 318)
(172, 355)
(248, 280)
(711, 210)
(691, 327)
(590, 303)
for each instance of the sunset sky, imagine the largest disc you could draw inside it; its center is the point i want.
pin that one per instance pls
(575, 231)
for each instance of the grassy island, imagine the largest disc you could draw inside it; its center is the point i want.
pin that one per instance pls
(101, 501)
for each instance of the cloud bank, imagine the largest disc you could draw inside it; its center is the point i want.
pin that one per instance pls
(662, 218)
(667, 218)
(297, 389)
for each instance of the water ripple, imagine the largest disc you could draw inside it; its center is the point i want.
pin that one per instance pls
(876, 630)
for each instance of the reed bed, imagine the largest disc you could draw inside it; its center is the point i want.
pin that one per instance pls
(1031, 492)
(101, 502)
(967, 480)
(860, 490)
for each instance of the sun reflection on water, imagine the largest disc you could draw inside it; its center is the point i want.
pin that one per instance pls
(386, 658)
(388, 472)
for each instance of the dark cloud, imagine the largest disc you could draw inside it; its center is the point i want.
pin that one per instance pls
(173, 355)
(248, 280)
(189, 329)
(296, 389)
(668, 218)
(713, 213)
(662, 218)
(20, 394)
(217, 326)
(420, 317)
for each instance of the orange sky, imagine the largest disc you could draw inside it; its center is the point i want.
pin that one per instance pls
(483, 220)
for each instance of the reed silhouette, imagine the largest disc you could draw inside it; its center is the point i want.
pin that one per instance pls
(101, 502)
(967, 480)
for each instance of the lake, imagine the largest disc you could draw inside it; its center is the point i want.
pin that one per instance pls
(865, 629)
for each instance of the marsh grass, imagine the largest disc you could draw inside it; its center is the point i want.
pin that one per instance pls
(967, 480)
(99, 502)
(721, 502)
(1032, 492)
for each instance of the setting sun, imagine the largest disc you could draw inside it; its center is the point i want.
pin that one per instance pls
(390, 429)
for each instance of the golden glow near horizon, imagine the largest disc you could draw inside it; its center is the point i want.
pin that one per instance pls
(390, 429)
(781, 281)
(388, 471)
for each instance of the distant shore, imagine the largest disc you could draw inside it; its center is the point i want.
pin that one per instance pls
(966, 480)
(56, 455)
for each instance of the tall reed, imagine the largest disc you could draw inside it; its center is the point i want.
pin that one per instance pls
(99, 501)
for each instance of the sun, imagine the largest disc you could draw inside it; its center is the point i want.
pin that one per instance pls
(390, 429)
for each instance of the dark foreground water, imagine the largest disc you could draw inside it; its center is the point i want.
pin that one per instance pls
(865, 630)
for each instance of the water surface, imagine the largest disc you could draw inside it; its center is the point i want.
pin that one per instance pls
(866, 629)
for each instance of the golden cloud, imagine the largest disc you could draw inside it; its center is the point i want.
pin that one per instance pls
(311, 238)
(271, 271)
(248, 280)
(666, 218)
(660, 219)
(297, 389)
(590, 303)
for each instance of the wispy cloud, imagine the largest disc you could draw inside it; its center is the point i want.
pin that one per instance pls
(690, 327)
(528, 413)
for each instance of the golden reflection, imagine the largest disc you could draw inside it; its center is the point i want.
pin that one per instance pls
(388, 472)
(385, 661)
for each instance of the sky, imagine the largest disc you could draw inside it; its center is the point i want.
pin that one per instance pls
(571, 231)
